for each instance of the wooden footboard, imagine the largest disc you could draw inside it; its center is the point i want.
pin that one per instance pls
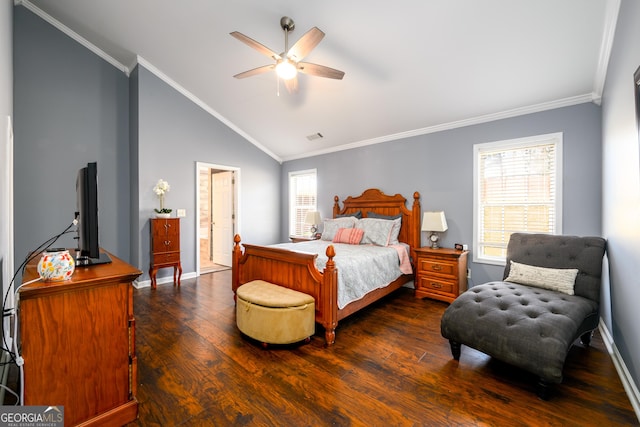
(293, 270)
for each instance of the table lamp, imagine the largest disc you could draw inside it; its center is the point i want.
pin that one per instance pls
(313, 218)
(435, 222)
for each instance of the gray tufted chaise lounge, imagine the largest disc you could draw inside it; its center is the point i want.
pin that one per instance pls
(526, 326)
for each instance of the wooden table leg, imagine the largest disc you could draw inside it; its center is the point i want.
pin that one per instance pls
(179, 269)
(152, 275)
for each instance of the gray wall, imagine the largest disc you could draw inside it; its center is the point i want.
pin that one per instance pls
(621, 187)
(440, 167)
(134, 195)
(6, 109)
(70, 108)
(174, 134)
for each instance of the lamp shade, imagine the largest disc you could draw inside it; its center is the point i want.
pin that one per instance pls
(312, 218)
(434, 221)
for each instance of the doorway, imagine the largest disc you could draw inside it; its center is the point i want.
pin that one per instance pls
(217, 212)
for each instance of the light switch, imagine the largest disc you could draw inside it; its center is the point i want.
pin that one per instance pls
(182, 213)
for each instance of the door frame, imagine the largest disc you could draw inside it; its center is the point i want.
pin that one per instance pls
(236, 203)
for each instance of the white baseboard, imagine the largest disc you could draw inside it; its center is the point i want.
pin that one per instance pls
(627, 380)
(139, 284)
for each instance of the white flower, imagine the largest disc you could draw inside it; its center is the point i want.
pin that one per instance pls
(161, 187)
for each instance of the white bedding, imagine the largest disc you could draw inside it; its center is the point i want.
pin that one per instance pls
(361, 268)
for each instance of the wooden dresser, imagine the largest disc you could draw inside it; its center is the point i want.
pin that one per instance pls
(78, 343)
(440, 273)
(165, 248)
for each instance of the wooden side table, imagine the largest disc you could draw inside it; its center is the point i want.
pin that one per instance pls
(441, 273)
(165, 248)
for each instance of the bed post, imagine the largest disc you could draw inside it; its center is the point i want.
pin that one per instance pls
(235, 260)
(415, 236)
(329, 297)
(336, 206)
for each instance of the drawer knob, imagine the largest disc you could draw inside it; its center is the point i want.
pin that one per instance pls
(167, 242)
(436, 267)
(436, 285)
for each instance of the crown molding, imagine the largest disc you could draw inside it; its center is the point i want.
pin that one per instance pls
(168, 80)
(139, 60)
(612, 9)
(565, 102)
(75, 36)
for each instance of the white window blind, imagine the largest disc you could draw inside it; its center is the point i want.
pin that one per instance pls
(517, 189)
(302, 199)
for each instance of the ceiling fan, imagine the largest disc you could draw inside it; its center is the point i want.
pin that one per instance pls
(288, 63)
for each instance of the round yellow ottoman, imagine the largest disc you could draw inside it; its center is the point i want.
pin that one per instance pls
(274, 314)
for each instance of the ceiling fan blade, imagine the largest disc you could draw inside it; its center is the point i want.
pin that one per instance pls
(307, 42)
(292, 85)
(320, 71)
(255, 71)
(257, 46)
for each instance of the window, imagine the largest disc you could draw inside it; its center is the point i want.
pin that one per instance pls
(517, 188)
(302, 198)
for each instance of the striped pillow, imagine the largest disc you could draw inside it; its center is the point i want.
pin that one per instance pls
(351, 236)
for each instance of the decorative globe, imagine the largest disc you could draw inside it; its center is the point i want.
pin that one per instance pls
(56, 265)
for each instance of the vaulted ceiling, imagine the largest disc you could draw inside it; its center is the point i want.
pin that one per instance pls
(411, 67)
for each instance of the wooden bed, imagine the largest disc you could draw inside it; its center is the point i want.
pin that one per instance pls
(297, 270)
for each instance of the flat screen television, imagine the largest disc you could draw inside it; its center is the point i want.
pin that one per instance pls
(88, 251)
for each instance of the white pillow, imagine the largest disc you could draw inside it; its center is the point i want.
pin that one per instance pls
(331, 226)
(397, 223)
(555, 279)
(395, 231)
(376, 231)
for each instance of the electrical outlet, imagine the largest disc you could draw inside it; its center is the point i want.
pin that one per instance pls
(468, 273)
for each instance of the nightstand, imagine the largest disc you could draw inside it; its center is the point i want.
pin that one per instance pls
(440, 273)
(298, 239)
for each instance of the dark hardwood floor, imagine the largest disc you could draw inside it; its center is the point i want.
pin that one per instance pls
(388, 367)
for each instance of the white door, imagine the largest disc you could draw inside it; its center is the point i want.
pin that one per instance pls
(222, 216)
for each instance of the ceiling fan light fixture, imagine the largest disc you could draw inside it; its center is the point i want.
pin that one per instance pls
(286, 70)
(289, 62)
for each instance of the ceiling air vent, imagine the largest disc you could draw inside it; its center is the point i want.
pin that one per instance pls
(315, 136)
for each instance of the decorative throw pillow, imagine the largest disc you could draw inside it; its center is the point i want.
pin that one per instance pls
(356, 214)
(351, 236)
(330, 226)
(555, 279)
(397, 223)
(376, 231)
(371, 214)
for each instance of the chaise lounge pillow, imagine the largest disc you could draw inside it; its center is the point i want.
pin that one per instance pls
(331, 226)
(555, 279)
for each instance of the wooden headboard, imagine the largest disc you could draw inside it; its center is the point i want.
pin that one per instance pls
(374, 200)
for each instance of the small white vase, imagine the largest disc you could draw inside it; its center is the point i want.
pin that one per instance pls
(163, 215)
(55, 266)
